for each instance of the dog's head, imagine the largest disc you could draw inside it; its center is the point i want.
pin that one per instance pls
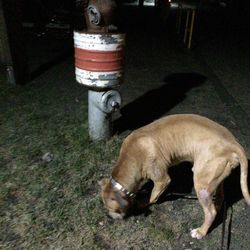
(115, 201)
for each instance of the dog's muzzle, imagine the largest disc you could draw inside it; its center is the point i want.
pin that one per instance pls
(116, 216)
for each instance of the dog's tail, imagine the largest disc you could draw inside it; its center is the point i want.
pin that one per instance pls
(243, 173)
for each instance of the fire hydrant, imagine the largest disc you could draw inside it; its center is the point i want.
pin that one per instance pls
(99, 58)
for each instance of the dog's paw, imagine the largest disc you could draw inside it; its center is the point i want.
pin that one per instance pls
(195, 233)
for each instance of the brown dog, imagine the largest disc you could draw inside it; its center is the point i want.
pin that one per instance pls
(150, 151)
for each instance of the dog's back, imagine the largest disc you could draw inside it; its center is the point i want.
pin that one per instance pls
(184, 136)
(186, 124)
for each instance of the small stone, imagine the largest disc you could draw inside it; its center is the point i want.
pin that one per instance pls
(233, 123)
(47, 157)
(9, 185)
(101, 223)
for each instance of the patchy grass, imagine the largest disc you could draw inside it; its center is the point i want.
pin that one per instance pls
(54, 203)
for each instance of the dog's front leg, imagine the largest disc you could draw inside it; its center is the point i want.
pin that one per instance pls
(159, 187)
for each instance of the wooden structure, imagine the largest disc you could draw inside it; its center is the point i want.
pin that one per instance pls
(12, 44)
(189, 8)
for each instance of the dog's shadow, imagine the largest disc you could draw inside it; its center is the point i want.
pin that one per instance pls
(157, 102)
(181, 187)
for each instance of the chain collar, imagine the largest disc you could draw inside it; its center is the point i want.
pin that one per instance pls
(119, 187)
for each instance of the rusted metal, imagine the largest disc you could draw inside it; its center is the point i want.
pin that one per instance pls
(99, 15)
(99, 81)
(99, 59)
(99, 65)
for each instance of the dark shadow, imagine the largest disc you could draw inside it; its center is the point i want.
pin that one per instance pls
(142, 200)
(180, 187)
(232, 186)
(46, 66)
(157, 102)
(181, 183)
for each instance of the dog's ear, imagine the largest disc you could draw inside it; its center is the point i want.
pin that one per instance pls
(103, 182)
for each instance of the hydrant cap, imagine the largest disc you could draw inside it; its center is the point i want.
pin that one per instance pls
(110, 101)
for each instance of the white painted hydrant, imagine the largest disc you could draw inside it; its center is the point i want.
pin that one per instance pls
(99, 66)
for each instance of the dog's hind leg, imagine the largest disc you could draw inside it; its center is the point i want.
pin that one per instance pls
(204, 193)
(206, 201)
(207, 181)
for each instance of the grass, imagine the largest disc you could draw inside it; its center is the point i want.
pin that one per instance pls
(55, 203)
(42, 202)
